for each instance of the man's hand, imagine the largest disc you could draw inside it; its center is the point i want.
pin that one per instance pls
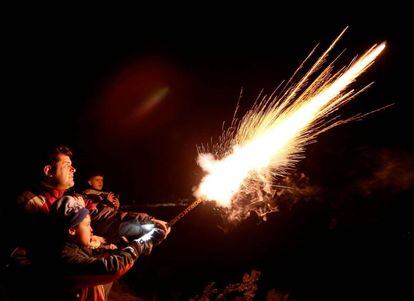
(157, 236)
(163, 225)
(145, 243)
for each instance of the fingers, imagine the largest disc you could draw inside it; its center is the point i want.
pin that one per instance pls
(168, 230)
(162, 225)
(158, 236)
(110, 197)
(114, 200)
(113, 247)
(117, 204)
(99, 238)
(95, 242)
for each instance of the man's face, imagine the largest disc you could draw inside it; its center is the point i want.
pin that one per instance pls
(83, 232)
(63, 172)
(96, 182)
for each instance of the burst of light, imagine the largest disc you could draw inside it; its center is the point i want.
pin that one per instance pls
(148, 227)
(146, 237)
(270, 138)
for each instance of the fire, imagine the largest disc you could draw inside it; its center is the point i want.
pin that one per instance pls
(271, 137)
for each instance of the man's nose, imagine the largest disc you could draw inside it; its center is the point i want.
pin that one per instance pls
(73, 169)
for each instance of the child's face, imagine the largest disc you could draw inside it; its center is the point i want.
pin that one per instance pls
(83, 232)
(96, 182)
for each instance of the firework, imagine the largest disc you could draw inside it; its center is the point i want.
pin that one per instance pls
(272, 136)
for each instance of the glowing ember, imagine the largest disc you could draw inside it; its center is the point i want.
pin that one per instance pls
(270, 138)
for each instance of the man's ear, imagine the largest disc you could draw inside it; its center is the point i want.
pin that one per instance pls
(90, 182)
(72, 231)
(47, 170)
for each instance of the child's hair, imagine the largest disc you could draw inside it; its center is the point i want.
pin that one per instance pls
(94, 174)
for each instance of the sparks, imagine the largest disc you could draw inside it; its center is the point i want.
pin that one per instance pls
(271, 137)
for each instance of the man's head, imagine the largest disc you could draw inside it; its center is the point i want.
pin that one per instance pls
(96, 181)
(74, 220)
(58, 170)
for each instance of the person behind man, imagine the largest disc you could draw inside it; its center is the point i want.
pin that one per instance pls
(82, 271)
(95, 192)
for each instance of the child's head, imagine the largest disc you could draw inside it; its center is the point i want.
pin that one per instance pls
(81, 234)
(96, 181)
(74, 219)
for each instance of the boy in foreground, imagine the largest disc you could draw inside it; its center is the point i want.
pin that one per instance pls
(82, 271)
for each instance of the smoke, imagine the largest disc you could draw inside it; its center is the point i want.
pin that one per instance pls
(388, 173)
(262, 198)
(393, 172)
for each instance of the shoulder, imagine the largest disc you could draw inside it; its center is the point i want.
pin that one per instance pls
(32, 201)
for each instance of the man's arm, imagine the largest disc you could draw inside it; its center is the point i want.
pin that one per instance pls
(83, 271)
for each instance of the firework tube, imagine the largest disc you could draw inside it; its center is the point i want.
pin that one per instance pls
(184, 212)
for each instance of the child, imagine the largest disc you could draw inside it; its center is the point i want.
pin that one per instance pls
(95, 193)
(84, 270)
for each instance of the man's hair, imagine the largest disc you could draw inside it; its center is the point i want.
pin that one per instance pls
(53, 155)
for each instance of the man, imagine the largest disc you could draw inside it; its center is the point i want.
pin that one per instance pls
(58, 176)
(100, 197)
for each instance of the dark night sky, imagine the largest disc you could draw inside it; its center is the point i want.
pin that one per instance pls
(83, 84)
(78, 84)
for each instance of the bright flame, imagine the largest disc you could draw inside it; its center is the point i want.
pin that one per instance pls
(271, 137)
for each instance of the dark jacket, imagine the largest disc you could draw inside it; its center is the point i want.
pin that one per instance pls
(106, 221)
(35, 225)
(82, 271)
(98, 197)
